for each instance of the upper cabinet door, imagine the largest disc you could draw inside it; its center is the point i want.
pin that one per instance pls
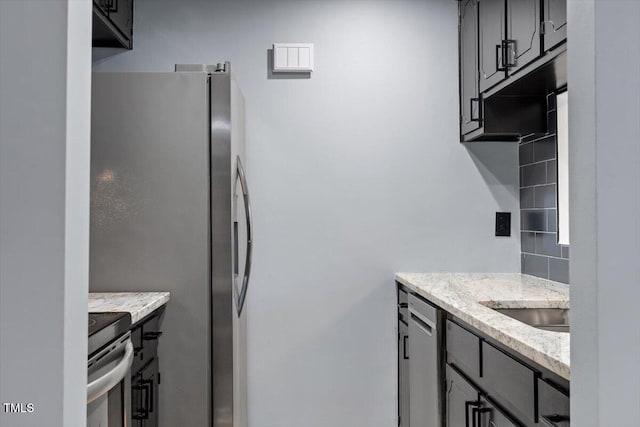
(555, 22)
(522, 44)
(469, 90)
(121, 13)
(492, 33)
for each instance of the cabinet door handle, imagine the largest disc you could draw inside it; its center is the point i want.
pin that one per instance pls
(150, 396)
(510, 53)
(405, 354)
(149, 336)
(477, 414)
(554, 420)
(500, 57)
(469, 404)
(475, 110)
(142, 413)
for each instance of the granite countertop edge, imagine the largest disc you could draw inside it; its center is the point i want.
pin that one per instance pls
(468, 297)
(138, 304)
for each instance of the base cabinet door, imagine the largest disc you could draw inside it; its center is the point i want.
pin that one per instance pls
(424, 372)
(488, 415)
(461, 399)
(144, 396)
(403, 375)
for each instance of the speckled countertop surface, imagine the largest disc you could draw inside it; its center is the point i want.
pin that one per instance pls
(139, 304)
(468, 296)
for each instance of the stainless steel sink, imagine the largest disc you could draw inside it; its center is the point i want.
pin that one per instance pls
(548, 319)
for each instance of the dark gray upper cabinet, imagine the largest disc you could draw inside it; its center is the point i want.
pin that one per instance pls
(506, 67)
(523, 34)
(492, 36)
(554, 23)
(469, 88)
(113, 23)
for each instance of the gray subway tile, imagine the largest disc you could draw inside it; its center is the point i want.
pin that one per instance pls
(535, 174)
(535, 265)
(552, 220)
(533, 220)
(547, 244)
(552, 172)
(527, 197)
(526, 153)
(545, 196)
(528, 242)
(559, 270)
(565, 252)
(544, 149)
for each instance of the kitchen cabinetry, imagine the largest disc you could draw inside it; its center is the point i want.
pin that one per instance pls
(500, 44)
(403, 359)
(145, 372)
(113, 23)
(491, 25)
(469, 85)
(461, 396)
(509, 38)
(523, 34)
(471, 380)
(554, 23)
(424, 364)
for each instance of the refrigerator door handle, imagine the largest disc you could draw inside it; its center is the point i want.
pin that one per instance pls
(247, 266)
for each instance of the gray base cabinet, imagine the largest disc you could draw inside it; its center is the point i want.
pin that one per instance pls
(461, 397)
(466, 406)
(459, 377)
(424, 369)
(403, 358)
(145, 372)
(403, 375)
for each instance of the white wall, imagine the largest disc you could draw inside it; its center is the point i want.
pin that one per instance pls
(355, 173)
(44, 209)
(604, 132)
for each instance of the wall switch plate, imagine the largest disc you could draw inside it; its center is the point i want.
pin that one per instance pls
(503, 224)
(292, 57)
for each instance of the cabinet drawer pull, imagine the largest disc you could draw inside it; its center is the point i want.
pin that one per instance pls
(554, 420)
(475, 113)
(405, 354)
(149, 336)
(467, 405)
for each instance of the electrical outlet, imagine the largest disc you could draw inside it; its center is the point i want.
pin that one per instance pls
(503, 223)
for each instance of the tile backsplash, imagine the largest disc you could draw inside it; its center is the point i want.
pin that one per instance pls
(541, 255)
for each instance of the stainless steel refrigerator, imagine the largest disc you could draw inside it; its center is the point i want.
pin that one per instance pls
(170, 212)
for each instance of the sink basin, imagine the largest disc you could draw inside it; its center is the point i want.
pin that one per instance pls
(548, 319)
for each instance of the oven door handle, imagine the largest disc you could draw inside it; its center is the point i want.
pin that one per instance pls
(102, 385)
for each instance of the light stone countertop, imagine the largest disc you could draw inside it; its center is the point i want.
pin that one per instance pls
(138, 304)
(468, 296)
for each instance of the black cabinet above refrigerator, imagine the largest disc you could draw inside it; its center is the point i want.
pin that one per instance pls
(113, 23)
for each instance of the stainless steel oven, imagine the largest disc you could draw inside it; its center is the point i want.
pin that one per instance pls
(109, 385)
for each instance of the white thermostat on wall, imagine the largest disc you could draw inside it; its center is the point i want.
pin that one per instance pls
(292, 57)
